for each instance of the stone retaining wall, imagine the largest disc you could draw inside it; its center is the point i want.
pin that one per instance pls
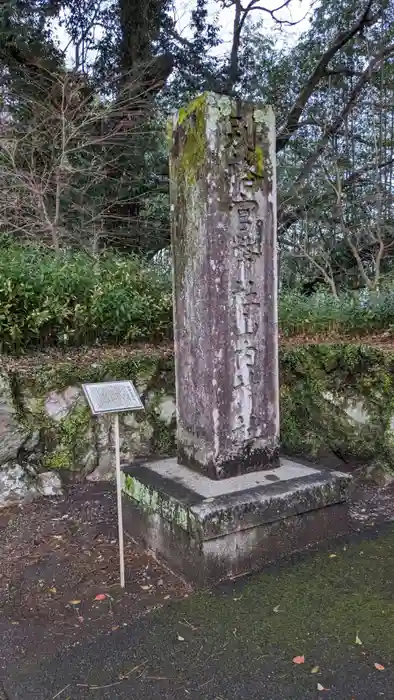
(337, 406)
(46, 425)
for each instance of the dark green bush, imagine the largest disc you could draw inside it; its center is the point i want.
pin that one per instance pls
(350, 315)
(72, 299)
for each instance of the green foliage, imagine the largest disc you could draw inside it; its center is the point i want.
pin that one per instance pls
(337, 400)
(74, 299)
(69, 439)
(349, 315)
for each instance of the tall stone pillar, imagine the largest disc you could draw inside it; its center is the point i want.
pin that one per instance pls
(223, 207)
(206, 526)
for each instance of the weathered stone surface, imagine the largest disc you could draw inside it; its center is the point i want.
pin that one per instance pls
(355, 410)
(52, 430)
(59, 405)
(376, 473)
(223, 205)
(49, 484)
(167, 410)
(208, 533)
(12, 434)
(16, 486)
(105, 470)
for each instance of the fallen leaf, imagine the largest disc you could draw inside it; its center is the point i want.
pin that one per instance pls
(80, 618)
(315, 669)
(166, 597)
(332, 556)
(145, 588)
(321, 687)
(100, 596)
(180, 639)
(379, 667)
(52, 590)
(276, 608)
(75, 602)
(299, 660)
(358, 640)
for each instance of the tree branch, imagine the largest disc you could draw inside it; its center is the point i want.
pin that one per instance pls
(332, 129)
(286, 132)
(288, 218)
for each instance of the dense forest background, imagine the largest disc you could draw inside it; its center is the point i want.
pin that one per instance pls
(83, 154)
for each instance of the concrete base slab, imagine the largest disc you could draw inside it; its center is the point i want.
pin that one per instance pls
(210, 530)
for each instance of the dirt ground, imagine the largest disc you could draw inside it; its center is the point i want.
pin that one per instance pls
(85, 356)
(56, 557)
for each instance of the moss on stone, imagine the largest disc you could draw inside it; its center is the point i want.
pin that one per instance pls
(61, 458)
(196, 105)
(319, 383)
(192, 134)
(153, 501)
(69, 440)
(163, 440)
(259, 161)
(65, 444)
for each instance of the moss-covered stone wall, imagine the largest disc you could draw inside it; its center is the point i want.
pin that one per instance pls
(54, 430)
(337, 403)
(337, 406)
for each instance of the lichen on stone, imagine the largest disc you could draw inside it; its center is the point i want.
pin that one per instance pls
(190, 140)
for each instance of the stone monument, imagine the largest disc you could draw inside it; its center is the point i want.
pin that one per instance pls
(227, 504)
(223, 204)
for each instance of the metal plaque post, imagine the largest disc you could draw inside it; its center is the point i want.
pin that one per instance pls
(114, 397)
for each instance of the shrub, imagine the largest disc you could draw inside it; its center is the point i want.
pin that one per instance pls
(350, 315)
(73, 299)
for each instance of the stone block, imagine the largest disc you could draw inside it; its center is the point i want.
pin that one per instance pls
(50, 484)
(209, 530)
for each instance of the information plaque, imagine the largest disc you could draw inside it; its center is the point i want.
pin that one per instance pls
(112, 397)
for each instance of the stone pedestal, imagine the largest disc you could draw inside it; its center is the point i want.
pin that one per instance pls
(223, 205)
(210, 530)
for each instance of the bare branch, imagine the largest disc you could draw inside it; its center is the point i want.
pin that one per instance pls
(291, 125)
(332, 129)
(51, 187)
(287, 217)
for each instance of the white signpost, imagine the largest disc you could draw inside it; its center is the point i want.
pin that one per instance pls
(114, 397)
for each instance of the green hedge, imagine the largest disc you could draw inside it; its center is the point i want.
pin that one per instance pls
(73, 299)
(350, 315)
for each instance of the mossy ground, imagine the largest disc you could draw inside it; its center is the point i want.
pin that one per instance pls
(314, 607)
(324, 599)
(231, 644)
